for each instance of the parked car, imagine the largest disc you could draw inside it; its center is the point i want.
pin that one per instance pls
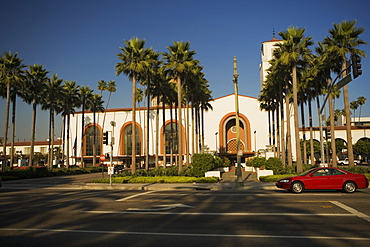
(346, 162)
(324, 178)
(118, 168)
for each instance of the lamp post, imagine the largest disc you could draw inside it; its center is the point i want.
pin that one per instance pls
(239, 153)
(216, 142)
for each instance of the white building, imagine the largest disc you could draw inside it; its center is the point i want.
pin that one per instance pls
(219, 132)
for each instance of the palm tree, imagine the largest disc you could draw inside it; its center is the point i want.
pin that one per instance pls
(354, 105)
(179, 60)
(344, 39)
(295, 50)
(85, 93)
(152, 76)
(111, 88)
(361, 101)
(71, 100)
(11, 71)
(95, 104)
(36, 78)
(52, 94)
(134, 63)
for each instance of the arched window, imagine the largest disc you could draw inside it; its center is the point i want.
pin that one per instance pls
(89, 140)
(171, 138)
(127, 141)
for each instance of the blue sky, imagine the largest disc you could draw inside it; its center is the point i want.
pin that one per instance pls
(79, 40)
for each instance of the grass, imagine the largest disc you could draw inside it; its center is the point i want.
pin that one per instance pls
(160, 179)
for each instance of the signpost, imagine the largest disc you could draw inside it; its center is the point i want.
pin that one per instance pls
(102, 157)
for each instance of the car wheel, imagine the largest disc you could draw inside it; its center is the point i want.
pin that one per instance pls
(349, 187)
(296, 187)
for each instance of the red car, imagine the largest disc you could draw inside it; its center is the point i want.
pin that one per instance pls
(326, 178)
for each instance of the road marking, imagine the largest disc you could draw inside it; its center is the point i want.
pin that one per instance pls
(133, 196)
(161, 207)
(352, 210)
(185, 234)
(215, 214)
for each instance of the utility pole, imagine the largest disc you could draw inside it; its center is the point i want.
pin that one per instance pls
(239, 153)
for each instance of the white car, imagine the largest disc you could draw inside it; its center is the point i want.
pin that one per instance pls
(346, 162)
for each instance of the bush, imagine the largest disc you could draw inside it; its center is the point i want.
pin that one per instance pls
(162, 179)
(257, 162)
(202, 163)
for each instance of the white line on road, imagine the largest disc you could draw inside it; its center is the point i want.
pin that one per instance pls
(133, 196)
(352, 210)
(215, 214)
(185, 234)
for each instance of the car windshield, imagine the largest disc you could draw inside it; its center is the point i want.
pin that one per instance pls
(306, 172)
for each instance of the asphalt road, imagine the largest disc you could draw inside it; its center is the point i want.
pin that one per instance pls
(56, 216)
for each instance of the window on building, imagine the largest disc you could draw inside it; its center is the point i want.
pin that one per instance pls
(128, 141)
(171, 138)
(43, 150)
(90, 140)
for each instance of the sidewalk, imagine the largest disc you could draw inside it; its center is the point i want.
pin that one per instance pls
(84, 182)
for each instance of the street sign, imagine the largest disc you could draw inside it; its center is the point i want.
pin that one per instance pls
(110, 170)
(102, 157)
(344, 81)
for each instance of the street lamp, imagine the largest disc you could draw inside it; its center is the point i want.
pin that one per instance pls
(239, 180)
(216, 142)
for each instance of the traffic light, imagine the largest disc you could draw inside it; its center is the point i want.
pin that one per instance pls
(328, 134)
(105, 137)
(356, 65)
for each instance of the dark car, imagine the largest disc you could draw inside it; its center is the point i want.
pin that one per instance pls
(118, 168)
(326, 178)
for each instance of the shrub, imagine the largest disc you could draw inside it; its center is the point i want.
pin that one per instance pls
(202, 163)
(257, 162)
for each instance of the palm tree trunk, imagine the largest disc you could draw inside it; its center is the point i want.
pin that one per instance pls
(67, 139)
(322, 155)
(157, 133)
(13, 131)
(147, 125)
(133, 128)
(304, 135)
(164, 133)
(94, 138)
(332, 128)
(33, 133)
(288, 130)
(282, 131)
(312, 150)
(180, 123)
(82, 133)
(348, 117)
(296, 125)
(6, 125)
(51, 154)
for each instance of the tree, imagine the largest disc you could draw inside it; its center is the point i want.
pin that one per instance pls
(134, 57)
(354, 105)
(51, 101)
(344, 40)
(178, 61)
(295, 50)
(95, 104)
(11, 71)
(85, 95)
(36, 77)
(70, 100)
(361, 101)
(111, 88)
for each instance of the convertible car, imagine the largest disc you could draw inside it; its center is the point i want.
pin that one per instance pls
(326, 178)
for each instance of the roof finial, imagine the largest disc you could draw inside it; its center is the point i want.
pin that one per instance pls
(273, 33)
